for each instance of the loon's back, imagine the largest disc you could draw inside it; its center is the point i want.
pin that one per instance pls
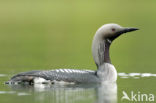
(53, 76)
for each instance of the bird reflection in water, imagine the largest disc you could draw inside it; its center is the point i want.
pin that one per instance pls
(97, 93)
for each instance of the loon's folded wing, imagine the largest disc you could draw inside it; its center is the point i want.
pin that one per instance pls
(66, 75)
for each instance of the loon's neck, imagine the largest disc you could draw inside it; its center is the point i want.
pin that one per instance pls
(106, 53)
(100, 51)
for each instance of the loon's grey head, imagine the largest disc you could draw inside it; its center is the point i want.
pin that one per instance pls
(102, 40)
(112, 31)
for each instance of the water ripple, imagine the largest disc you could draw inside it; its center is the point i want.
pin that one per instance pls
(3, 75)
(135, 75)
(14, 92)
(22, 94)
(7, 92)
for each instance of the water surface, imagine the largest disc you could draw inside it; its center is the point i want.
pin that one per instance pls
(79, 93)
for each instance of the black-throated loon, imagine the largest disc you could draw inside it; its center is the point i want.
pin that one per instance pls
(100, 51)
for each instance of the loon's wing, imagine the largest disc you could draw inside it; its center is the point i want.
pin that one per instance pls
(66, 75)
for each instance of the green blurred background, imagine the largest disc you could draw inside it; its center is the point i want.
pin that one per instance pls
(49, 34)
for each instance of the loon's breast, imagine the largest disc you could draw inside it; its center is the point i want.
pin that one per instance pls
(55, 76)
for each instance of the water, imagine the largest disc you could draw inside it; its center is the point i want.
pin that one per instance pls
(80, 93)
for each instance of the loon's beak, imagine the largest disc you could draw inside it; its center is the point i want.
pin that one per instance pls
(125, 30)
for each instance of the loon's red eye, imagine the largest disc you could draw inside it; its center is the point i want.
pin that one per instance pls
(113, 29)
